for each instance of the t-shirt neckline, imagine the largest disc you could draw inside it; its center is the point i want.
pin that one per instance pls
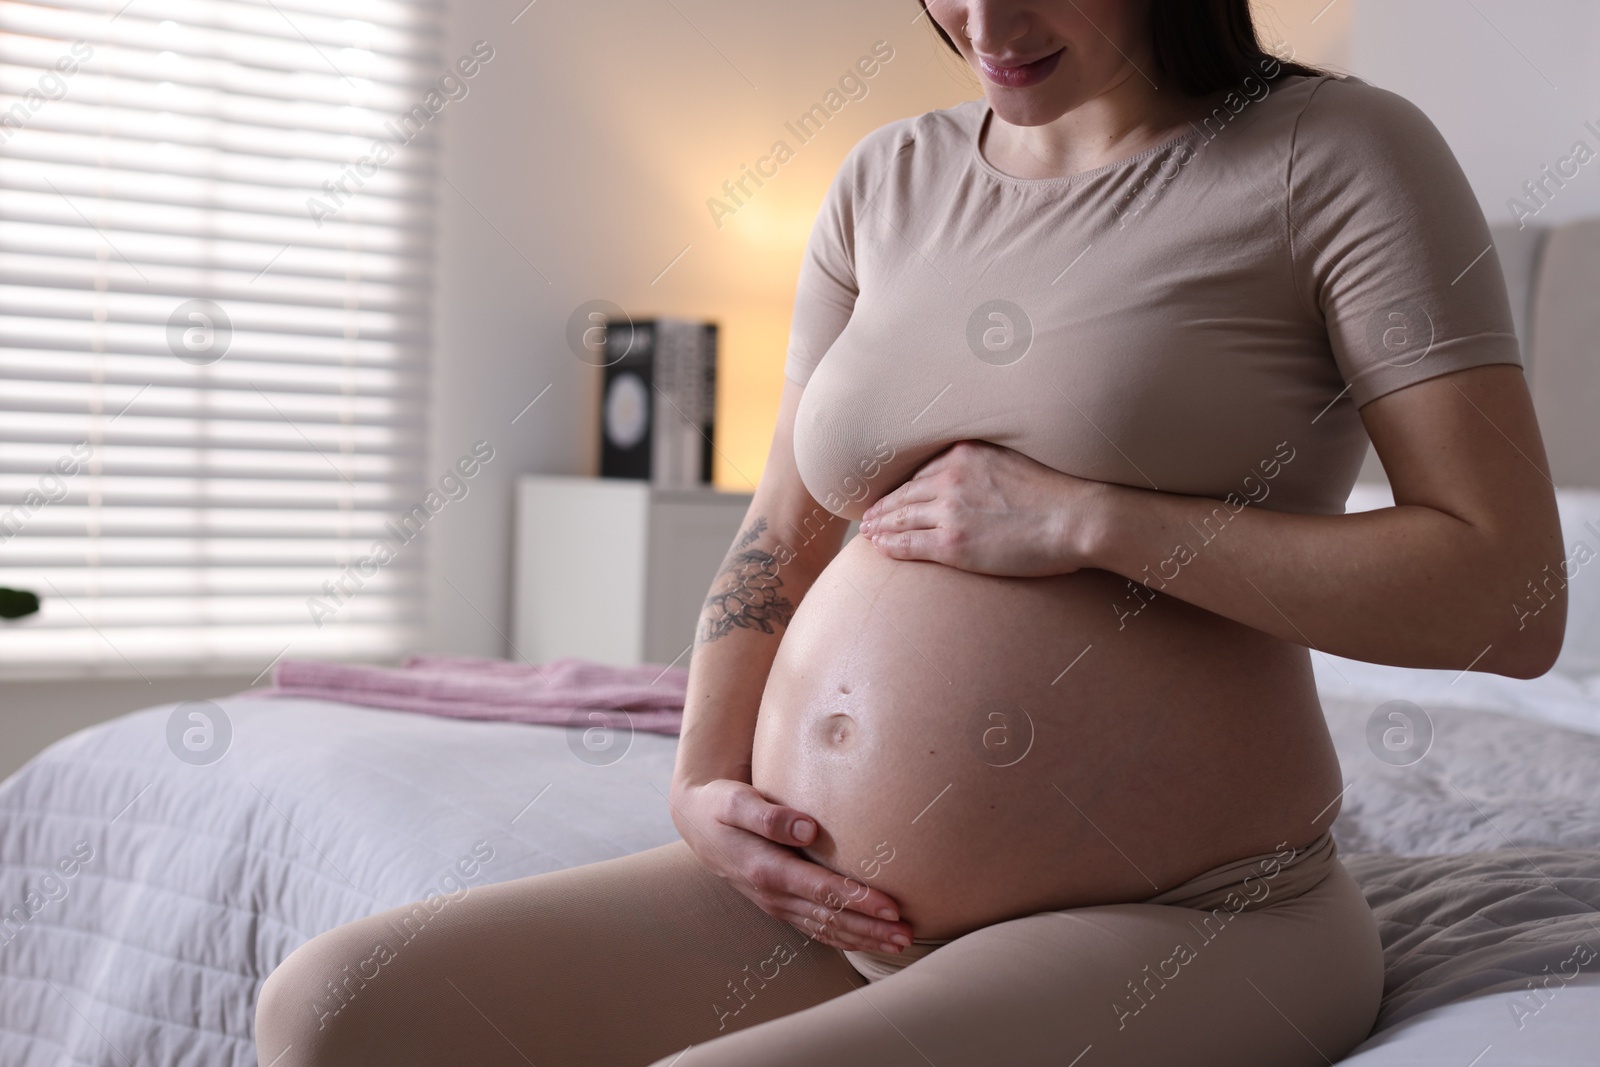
(987, 112)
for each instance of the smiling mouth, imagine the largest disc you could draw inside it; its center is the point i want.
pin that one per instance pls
(1023, 76)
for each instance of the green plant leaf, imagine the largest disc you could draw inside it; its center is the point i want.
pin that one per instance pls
(15, 603)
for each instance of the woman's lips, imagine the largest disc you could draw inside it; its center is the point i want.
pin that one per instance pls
(1021, 77)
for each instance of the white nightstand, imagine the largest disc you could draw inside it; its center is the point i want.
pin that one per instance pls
(616, 571)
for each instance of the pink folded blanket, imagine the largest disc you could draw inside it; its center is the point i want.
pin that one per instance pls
(463, 687)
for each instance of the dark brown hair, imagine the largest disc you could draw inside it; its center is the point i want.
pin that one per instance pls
(1202, 45)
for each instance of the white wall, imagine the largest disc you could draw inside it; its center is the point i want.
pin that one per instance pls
(1510, 84)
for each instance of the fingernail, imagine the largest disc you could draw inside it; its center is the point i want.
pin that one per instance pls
(803, 829)
(900, 939)
(888, 914)
(866, 526)
(886, 947)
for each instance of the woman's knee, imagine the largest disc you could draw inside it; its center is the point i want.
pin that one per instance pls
(312, 1004)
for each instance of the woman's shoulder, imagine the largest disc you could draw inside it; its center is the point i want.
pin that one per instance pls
(1343, 113)
(1326, 130)
(931, 134)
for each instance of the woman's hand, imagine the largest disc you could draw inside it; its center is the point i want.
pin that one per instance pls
(987, 509)
(749, 843)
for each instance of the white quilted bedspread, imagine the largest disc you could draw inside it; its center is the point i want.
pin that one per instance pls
(204, 877)
(1482, 863)
(189, 883)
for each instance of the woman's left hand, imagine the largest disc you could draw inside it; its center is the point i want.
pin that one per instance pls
(988, 509)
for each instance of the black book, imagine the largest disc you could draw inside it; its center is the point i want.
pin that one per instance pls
(658, 401)
(708, 398)
(627, 401)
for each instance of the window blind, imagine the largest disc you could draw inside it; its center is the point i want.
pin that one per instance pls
(213, 330)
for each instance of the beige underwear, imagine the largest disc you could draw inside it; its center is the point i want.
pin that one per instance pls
(1237, 886)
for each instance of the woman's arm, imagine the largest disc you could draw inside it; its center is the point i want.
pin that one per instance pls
(786, 540)
(1445, 579)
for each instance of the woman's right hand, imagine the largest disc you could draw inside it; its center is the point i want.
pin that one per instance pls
(749, 843)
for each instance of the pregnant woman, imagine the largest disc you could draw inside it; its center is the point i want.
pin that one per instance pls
(1033, 771)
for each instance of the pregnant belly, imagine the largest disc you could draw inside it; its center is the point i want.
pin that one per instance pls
(981, 748)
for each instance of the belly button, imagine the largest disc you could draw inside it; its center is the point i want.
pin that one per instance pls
(839, 729)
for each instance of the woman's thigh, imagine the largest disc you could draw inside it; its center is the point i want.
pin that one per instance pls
(1297, 983)
(614, 963)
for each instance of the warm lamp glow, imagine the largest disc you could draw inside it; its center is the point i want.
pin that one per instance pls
(750, 381)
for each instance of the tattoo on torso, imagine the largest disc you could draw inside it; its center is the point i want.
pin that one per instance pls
(747, 591)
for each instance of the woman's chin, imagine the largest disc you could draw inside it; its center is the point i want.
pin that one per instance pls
(1037, 106)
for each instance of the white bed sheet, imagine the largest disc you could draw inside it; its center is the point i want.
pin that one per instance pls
(1502, 786)
(203, 878)
(1482, 1031)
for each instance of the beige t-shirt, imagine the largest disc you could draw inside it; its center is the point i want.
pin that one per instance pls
(1202, 318)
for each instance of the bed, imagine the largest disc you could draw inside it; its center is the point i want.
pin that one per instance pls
(144, 898)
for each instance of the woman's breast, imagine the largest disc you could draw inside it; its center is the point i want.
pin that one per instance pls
(1166, 390)
(983, 747)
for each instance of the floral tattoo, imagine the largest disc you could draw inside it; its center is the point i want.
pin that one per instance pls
(747, 594)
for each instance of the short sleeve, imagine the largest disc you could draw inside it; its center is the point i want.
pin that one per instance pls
(1389, 245)
(825, 294)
